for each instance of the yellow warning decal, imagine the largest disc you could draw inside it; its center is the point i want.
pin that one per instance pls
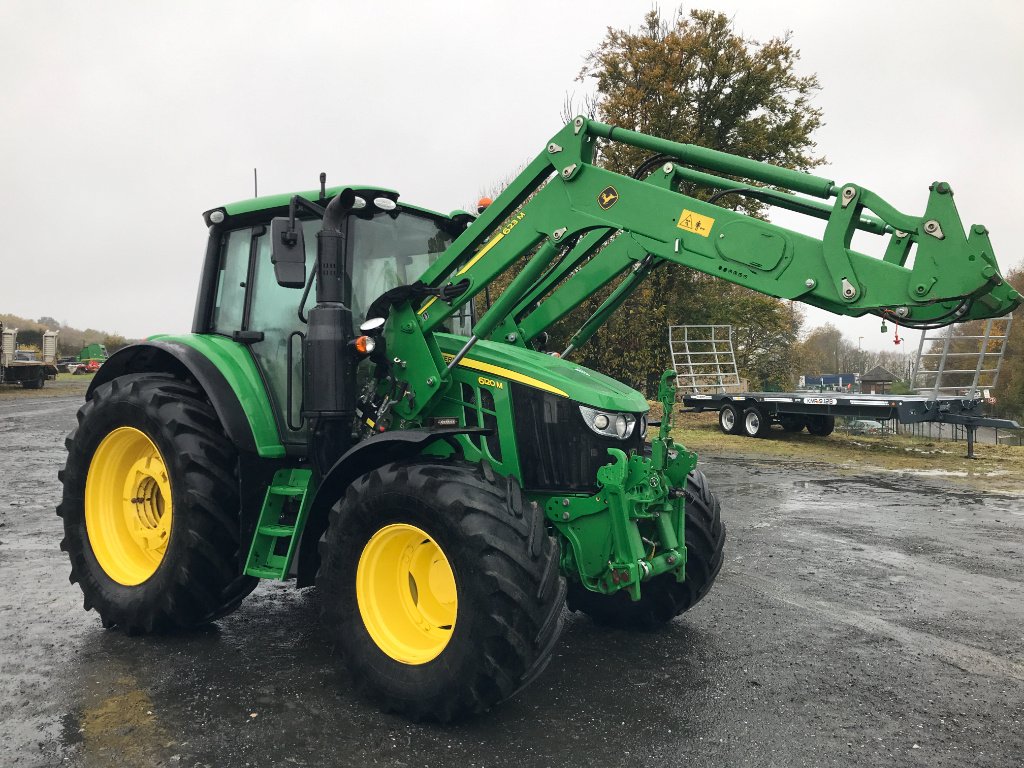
(694, 222)
(495, 370)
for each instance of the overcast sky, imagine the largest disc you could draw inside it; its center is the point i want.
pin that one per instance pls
(123, 121)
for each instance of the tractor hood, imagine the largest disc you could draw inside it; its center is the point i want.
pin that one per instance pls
(545, 372)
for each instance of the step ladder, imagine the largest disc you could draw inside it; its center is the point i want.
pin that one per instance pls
(282, 516)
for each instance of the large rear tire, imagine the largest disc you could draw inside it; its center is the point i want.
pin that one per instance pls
(441, 588)
(663, 598)
(151, 507)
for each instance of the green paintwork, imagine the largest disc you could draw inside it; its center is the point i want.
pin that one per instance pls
(235, 362)
(954, 276)
(281, 519)
(606, 531)
(562, 230)
(92, 352)
(584, 385)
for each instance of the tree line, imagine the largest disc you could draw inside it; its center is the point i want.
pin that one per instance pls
(69, 342)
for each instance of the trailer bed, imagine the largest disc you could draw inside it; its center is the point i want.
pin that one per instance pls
(753, 413)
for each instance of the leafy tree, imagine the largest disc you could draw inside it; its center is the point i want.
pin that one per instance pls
(695, 79)
(114, 342)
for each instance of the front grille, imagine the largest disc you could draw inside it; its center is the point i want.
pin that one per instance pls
(558, 452)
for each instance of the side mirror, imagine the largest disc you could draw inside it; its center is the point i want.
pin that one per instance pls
(288, 252)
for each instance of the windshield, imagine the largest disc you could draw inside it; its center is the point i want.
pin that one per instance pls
(394, 248)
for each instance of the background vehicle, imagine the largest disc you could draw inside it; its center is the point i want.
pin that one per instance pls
(28, 368)
(446, 482)
(865, 427)
(93, 351)
(87, 366)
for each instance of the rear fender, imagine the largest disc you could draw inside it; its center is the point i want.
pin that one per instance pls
(183, 360)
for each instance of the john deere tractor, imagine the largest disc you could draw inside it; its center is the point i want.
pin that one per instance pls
(360, 407)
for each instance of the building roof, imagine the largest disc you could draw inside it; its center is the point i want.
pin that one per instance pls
(878, 373)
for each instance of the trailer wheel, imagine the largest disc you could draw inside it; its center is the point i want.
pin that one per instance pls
(729, 420)
(35, 383)
(440, 587)
(792, 423)
(151, 507)
(755, 423)
(822, 426)
(663, 598)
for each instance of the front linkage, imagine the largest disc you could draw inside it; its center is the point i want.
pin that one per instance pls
(640, 508)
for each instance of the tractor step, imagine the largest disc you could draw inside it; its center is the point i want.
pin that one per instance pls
(281, 518)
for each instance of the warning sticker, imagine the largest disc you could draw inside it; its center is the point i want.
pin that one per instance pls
(694, 222)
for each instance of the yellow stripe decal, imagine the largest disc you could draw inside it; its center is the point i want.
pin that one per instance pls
(497, 370)
(480, 254)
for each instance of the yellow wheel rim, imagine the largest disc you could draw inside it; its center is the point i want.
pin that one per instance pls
(128, 506)
(406, 593)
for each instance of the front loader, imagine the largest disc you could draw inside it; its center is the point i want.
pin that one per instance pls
(342, 415)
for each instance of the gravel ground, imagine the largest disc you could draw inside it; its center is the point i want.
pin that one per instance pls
(859, 620)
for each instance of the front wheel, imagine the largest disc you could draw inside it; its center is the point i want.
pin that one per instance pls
(150, 507)
(441, 588)
(663, 598)
(729, 419)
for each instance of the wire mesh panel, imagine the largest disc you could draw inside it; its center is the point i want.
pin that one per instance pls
(962, 361)
(703, 358)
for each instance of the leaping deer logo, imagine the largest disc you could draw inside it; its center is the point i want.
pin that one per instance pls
(607, 198)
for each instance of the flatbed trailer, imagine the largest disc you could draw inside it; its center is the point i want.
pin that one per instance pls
(753, 413)
(23, 367)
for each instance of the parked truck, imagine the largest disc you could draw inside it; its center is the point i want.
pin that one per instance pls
(29, 368)
(445, 481)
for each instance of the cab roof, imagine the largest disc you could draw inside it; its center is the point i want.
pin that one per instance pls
(280, 202)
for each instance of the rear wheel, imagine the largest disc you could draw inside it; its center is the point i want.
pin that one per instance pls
(663, 598)
(822, 426)
(441, 588)
(729, 419)
(792, 423)
(755, 423)
(35, 383)
(151, 508)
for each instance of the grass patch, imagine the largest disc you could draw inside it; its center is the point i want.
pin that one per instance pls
(997, 467)
(66, 385)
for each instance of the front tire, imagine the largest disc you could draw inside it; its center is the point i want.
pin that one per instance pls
(729, 420)
(441, 588)
(663, 598)
(151, 507)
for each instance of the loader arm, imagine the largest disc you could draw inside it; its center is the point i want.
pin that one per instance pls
(566, 227)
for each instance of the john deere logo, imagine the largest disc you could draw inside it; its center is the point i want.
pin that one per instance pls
(607, 198)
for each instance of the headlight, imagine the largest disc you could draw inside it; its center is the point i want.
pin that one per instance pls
(620, 425)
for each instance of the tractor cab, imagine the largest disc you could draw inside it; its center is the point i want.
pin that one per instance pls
(243, 298)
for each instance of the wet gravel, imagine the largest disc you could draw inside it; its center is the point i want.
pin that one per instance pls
(858, 620)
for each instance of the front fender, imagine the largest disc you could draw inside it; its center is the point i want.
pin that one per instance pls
(363, 457)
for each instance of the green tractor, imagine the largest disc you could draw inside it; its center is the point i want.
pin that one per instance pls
(350, 411)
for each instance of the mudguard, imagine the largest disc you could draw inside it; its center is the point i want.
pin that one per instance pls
(174, 357)
(367, 455)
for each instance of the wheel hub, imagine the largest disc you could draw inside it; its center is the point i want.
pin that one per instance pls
(128, 510)
(406, 591)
